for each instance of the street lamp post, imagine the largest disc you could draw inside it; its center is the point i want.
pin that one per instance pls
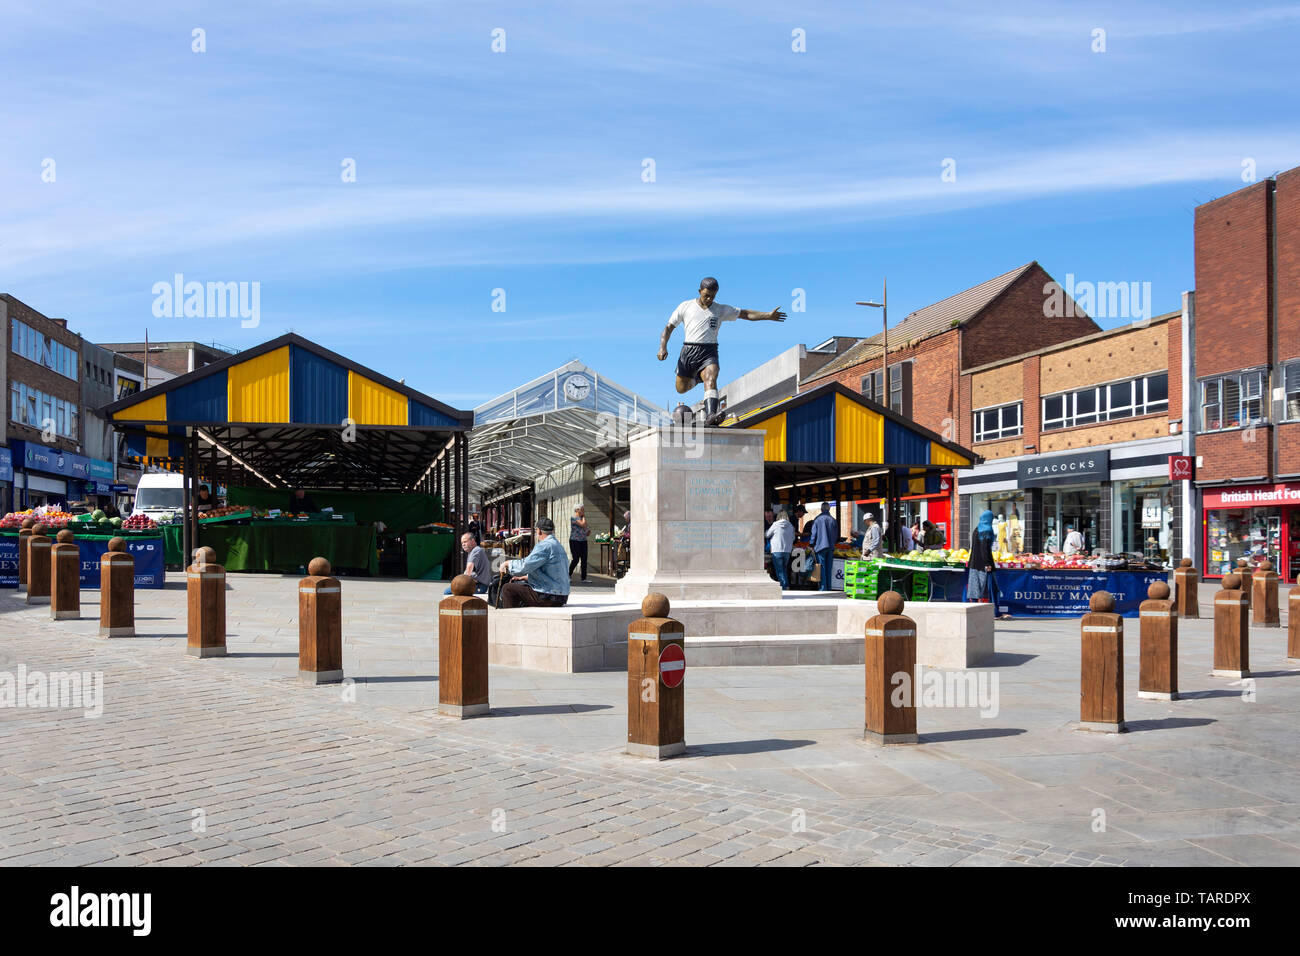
(883, 305)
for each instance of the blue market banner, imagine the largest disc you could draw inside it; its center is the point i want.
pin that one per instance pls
(1047, 593)
(148, 554)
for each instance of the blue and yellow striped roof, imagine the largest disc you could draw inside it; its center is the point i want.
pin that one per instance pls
(287, 381)
(832, 425)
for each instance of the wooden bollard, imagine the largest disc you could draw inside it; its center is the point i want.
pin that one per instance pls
(320, 625)
(656, 670)
(24, 537)
(1231, 630)
(65, 578)
(1187, 581)
(117, 591)
(38, 566)
(1264, 605)
(890, 651)
(205, 586)
(1247, 574)
(1293, 624)
(462, 651)
(1101, 696)
(1158, 658)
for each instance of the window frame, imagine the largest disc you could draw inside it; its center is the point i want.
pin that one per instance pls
(1234, 414)
(1003, 431)
(1099, 397)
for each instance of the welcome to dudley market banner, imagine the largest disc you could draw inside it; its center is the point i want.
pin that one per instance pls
(1055, 593)
(148, 554)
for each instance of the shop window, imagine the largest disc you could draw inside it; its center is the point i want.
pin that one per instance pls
(1231, 401)
(1291, 384)
(1004, 421)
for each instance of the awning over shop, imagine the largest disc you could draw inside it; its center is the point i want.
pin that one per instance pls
(294, 414)
(831, 434)
(567, 415)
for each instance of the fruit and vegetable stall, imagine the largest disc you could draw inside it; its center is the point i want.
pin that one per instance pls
(91, 534)
(1024, 585)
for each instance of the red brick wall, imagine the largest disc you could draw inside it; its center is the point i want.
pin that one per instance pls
(934, 378)
(1018, 322)
(1228, 455)
(1230, 241)
(38, 376)
(1287, 214)
(1288, 449)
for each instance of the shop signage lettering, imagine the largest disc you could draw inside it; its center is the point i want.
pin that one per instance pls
(55, 462)
(6, 465)
(1047, 593)
(1248, 497)
(148, 554)
(1063, 469)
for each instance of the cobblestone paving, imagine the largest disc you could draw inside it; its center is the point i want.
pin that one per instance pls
(195, 763)
(232, 761)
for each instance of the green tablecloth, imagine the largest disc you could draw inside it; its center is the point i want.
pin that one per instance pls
(425, 555)
(281, 547)
(172, 543)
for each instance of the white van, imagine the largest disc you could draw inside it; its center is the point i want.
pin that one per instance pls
(159, 496)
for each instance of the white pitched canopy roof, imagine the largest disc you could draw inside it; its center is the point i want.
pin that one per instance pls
(558, 418)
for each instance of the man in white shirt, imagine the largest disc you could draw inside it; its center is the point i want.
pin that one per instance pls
(872, 539)
(698, 361)
(1073, 540)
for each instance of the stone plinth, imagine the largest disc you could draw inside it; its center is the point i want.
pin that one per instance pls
(697, 516)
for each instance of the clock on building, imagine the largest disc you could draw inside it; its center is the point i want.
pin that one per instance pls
(577, 388)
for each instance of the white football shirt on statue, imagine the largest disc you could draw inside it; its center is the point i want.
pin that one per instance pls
(701, 323)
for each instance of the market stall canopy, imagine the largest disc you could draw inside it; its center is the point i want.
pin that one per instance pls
(294, 414)
(566, 415)
(830, 432)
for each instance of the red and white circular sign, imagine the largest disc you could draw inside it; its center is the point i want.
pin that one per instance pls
(672, 665)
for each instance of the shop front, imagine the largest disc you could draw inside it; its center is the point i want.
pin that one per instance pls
(1120, 498)
(1255, 522)
(49, 476)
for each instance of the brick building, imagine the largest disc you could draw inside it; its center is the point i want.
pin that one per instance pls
(931, 348)
(1079, 434)
(45, 425)
(165, 360)
(1246, 334)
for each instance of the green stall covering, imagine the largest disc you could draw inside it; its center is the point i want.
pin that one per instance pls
(286, 548)
(172, 539)
(399, 512)
(425, 554)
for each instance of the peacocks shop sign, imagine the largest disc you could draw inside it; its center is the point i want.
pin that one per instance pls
(1077, 468)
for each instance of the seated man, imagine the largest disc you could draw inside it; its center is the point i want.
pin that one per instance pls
(542, 578)
(477, 565)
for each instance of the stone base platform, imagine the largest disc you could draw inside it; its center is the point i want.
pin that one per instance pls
(801, 628)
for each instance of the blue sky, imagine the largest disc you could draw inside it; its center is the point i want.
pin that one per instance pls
(522, 170)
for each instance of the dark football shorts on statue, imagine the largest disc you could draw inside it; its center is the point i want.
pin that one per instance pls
(695, 358)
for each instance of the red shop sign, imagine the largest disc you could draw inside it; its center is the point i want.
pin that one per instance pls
(1251, 496)
(1182, 468)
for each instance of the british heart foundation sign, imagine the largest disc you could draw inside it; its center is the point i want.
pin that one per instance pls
(1182, 467)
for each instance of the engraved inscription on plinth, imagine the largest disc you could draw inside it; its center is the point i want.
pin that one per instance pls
(697, 510)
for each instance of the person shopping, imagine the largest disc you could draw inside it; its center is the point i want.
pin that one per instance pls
(980, 564)
(781, 536)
